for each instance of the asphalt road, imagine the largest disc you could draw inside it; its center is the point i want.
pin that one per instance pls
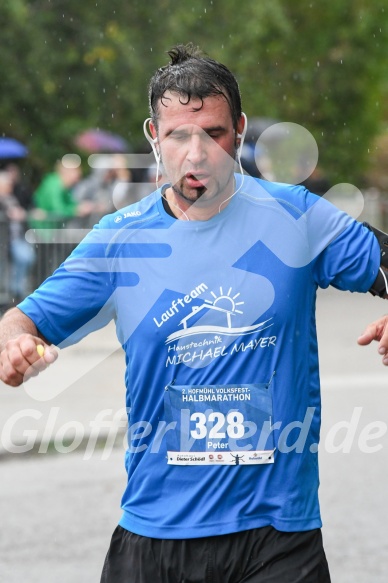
(58, 510)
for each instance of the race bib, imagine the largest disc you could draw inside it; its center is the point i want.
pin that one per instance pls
(219, 424)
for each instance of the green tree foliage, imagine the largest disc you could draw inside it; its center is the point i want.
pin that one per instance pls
(69, 65)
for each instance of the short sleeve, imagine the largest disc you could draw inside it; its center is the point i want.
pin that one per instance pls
(350, 261)
(78, 297)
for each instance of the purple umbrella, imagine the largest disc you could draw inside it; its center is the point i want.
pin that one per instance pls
(96, 140)
(10, 148)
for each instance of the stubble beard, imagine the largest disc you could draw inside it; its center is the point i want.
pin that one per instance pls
(196, 195)
(189, 199)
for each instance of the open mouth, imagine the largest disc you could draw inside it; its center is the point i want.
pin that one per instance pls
(196, 180)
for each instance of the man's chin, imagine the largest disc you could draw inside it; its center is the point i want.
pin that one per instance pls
(193, 195)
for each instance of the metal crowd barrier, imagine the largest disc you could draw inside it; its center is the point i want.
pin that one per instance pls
(4, 259)
(54, 241)
(50, 251)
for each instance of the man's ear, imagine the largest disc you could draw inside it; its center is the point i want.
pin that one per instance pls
(240, 126)
(153, 131)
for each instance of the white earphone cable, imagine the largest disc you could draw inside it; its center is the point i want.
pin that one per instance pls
(238, 152)
(385, 280)
(153, 142)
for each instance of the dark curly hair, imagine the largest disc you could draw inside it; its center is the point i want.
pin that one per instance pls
(192, 74)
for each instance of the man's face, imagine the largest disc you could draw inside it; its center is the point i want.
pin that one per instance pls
(197, 147)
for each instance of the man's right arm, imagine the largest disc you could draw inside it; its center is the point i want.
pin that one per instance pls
(19, 356)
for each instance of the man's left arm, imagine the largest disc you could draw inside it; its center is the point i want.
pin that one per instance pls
(378, 330)
(380, 285)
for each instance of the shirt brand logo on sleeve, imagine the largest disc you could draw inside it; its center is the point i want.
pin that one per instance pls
(132, 214)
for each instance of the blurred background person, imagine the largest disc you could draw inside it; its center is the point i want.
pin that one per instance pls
(108, 187)
(21, 189)
(54, 201)
(56, 208)
(21, 253)
(152, 178)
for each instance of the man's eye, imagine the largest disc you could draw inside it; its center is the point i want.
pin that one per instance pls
(179, 137)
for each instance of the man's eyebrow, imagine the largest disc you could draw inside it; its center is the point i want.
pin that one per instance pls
(205, 130)
(215, 129)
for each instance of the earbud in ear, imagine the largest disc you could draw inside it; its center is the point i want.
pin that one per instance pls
(242, 136)
(152, 141)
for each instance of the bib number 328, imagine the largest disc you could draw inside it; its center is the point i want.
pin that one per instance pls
(234, 422)
(219, 424)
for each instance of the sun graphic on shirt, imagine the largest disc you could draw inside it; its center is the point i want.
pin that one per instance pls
(226, 301)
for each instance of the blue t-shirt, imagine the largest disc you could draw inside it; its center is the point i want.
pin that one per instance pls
(217, 321)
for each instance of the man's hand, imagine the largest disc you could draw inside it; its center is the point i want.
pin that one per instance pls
(23, 357)
(378, 330)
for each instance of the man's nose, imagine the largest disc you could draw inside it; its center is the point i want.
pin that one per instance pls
(197, 149)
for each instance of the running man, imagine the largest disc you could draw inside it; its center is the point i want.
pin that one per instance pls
(212, 282)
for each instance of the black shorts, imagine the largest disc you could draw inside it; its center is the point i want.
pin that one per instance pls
(262, 555)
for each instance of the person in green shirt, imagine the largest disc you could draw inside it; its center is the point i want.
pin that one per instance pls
(54, 207)
(53, 199)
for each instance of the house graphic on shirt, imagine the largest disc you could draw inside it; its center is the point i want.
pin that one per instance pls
(204, 330)
(197, 309)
